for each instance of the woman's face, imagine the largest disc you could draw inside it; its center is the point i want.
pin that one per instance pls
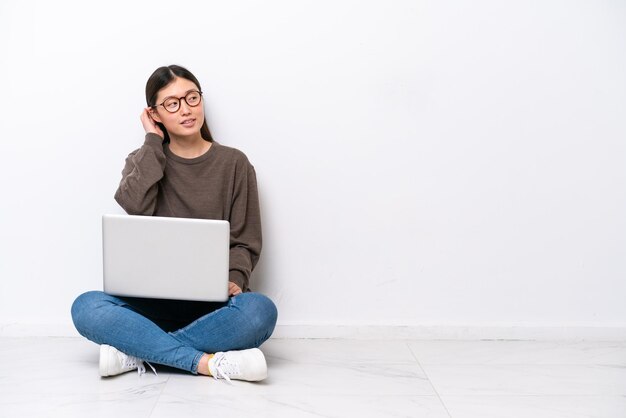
(187, 120)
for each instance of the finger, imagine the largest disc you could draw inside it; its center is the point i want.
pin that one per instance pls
(233, 289)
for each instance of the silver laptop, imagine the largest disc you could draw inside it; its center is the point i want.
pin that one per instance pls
(165, 258)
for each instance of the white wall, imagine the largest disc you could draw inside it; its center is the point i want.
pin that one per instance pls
(420, 162)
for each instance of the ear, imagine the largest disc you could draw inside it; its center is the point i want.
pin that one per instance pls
(155, 115)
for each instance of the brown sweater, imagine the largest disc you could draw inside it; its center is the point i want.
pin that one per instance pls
(220, 184)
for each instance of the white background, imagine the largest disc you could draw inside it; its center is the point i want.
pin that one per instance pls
(419, 162)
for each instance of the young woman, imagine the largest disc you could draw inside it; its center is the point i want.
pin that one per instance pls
(180, 171)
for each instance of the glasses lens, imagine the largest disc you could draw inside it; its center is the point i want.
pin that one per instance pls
(193, 98)
(171, 105)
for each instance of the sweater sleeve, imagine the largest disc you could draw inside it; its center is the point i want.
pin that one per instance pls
(245, 227)
(137, 192)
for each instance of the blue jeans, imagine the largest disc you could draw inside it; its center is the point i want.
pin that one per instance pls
(171, 332)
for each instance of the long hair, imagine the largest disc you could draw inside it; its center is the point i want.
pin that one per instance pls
(160, 78)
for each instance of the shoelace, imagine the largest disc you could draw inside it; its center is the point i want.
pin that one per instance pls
(131, 362)
(223, 368)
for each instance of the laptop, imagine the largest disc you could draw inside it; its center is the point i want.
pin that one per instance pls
(165, 258)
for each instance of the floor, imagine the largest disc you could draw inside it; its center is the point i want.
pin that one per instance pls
(58, 377)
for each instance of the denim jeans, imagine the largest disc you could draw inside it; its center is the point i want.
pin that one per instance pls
(171, 332)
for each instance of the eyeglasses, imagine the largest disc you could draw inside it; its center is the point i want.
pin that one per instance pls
(172, 104)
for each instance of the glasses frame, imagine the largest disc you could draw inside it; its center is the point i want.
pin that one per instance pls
(179, 100)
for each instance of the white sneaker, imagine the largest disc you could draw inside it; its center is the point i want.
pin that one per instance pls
(243, 365)
(114, 362)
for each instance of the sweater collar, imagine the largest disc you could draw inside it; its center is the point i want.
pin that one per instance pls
(208, 154)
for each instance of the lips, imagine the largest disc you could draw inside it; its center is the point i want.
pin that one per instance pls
(188, 122)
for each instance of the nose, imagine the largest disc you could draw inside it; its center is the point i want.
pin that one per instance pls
(184, 108)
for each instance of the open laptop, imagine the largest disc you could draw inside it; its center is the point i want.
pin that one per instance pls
(165, 258)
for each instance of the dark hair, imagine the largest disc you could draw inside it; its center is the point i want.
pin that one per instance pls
(160, 78)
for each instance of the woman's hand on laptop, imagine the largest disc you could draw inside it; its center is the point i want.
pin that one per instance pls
(233, 289)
